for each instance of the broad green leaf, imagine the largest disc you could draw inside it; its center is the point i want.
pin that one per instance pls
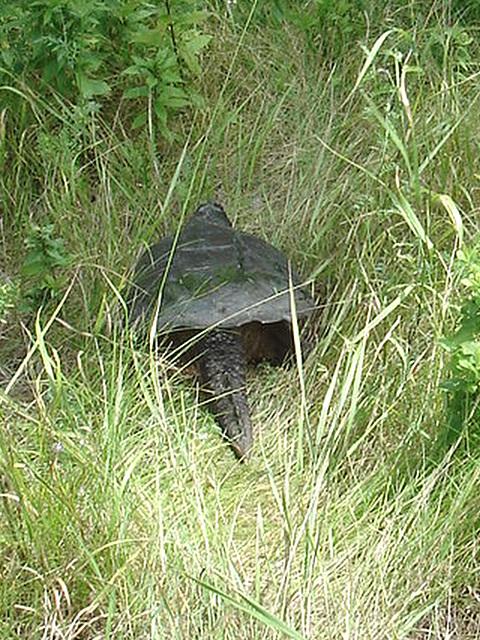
(190, 49)
(152, 37)
(136, 92)
(89, 87)
(140, 120)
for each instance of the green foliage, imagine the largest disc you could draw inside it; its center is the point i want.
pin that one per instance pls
(123, 513)
(452, 49)
(93, 50)
(44, 265)
(321, 21)
(463, 385)
(68, 43)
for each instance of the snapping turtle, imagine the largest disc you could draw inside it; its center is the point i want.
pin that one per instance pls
(227, 296)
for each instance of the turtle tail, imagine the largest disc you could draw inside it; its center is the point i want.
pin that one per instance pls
(222, 372)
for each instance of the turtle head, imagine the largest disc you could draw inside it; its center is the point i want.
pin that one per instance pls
(212, 213)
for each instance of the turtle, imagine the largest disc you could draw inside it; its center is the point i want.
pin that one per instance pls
(224, 297)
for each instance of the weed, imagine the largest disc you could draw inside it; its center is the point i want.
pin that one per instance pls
(44, 265)
(463, 384)
(123, 514)
(95, 51)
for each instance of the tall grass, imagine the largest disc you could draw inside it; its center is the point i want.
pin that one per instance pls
(123, 513)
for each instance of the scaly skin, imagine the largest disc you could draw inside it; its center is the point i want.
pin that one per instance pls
(222, 372)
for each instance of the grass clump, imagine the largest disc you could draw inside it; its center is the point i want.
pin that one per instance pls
(123, 514)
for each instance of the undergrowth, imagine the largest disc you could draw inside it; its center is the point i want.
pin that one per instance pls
(348, 138)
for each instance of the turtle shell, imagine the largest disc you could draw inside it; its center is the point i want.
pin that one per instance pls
(213, 275)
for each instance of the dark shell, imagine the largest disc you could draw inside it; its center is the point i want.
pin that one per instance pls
(212, 274)
(239, 287)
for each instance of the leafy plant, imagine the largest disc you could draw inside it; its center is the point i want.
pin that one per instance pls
(95, 50)
(463, 385)
(63, 41)
(45, 260)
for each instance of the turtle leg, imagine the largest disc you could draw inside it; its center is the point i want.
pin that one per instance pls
(222, 371)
